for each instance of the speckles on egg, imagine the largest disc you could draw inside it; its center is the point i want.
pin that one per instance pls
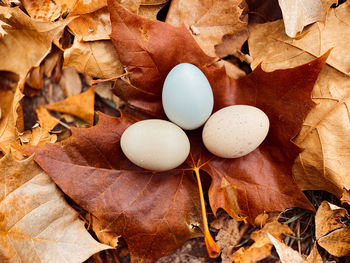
(235, 131)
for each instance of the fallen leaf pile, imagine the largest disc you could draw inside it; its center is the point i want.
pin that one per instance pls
(74, 63)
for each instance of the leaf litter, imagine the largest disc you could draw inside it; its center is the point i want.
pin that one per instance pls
(74, 166)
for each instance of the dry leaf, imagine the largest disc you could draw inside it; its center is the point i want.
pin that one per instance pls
(287, 254)
(96, 59)
(37, 225)
(262, 245)
(25, 34)
(331, 232)
(325, 163)
(314, 256)
(298, 13)
(81, 105)
(92, 26)
(208, 21)
(228, 236)
(10, 96)
(70, 82)
(47, 10)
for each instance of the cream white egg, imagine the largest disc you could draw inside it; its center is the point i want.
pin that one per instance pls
(235, 131)
(155, 144)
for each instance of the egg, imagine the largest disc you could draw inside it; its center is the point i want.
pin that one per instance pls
(235, 131)
(155, 144)
(187, 96)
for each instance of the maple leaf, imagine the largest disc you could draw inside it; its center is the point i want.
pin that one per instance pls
(155, 212)
(257, 182)
(324, 164)
(37, 225)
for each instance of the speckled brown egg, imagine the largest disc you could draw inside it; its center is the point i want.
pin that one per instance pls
(235, 131)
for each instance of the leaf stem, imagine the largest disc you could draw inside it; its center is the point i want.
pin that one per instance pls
(95, 82)
(212, 248)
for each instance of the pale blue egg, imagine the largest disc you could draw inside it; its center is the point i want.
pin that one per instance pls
(187, 96)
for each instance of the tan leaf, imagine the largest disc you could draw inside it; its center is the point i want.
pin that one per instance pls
(10, 96)
(289, 255)
(208, 21)
(23, 35)
(81, 105)
(262, 245)
(47, 10)
(298, 13)
(97, 59)
(314, 256)
(228, 236)
(325, 162)
(70, 82)
(286, 254)
(92, 26)
(331, 233)
(37, 225)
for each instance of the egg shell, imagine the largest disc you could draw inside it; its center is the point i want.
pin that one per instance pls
(155, 144)
(235, 131)
(187, 96)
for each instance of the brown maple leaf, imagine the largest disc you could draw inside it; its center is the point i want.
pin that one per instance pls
(156, 212)
(247, 186)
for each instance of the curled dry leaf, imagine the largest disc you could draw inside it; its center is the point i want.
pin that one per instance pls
(298, 13)
(209, 21)
(37, 225)
(331, 232)
(154, 212)
(25, 34)
(325, 163)
(96, 59)
(81, 105)
(10, 96)
(262, 245)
